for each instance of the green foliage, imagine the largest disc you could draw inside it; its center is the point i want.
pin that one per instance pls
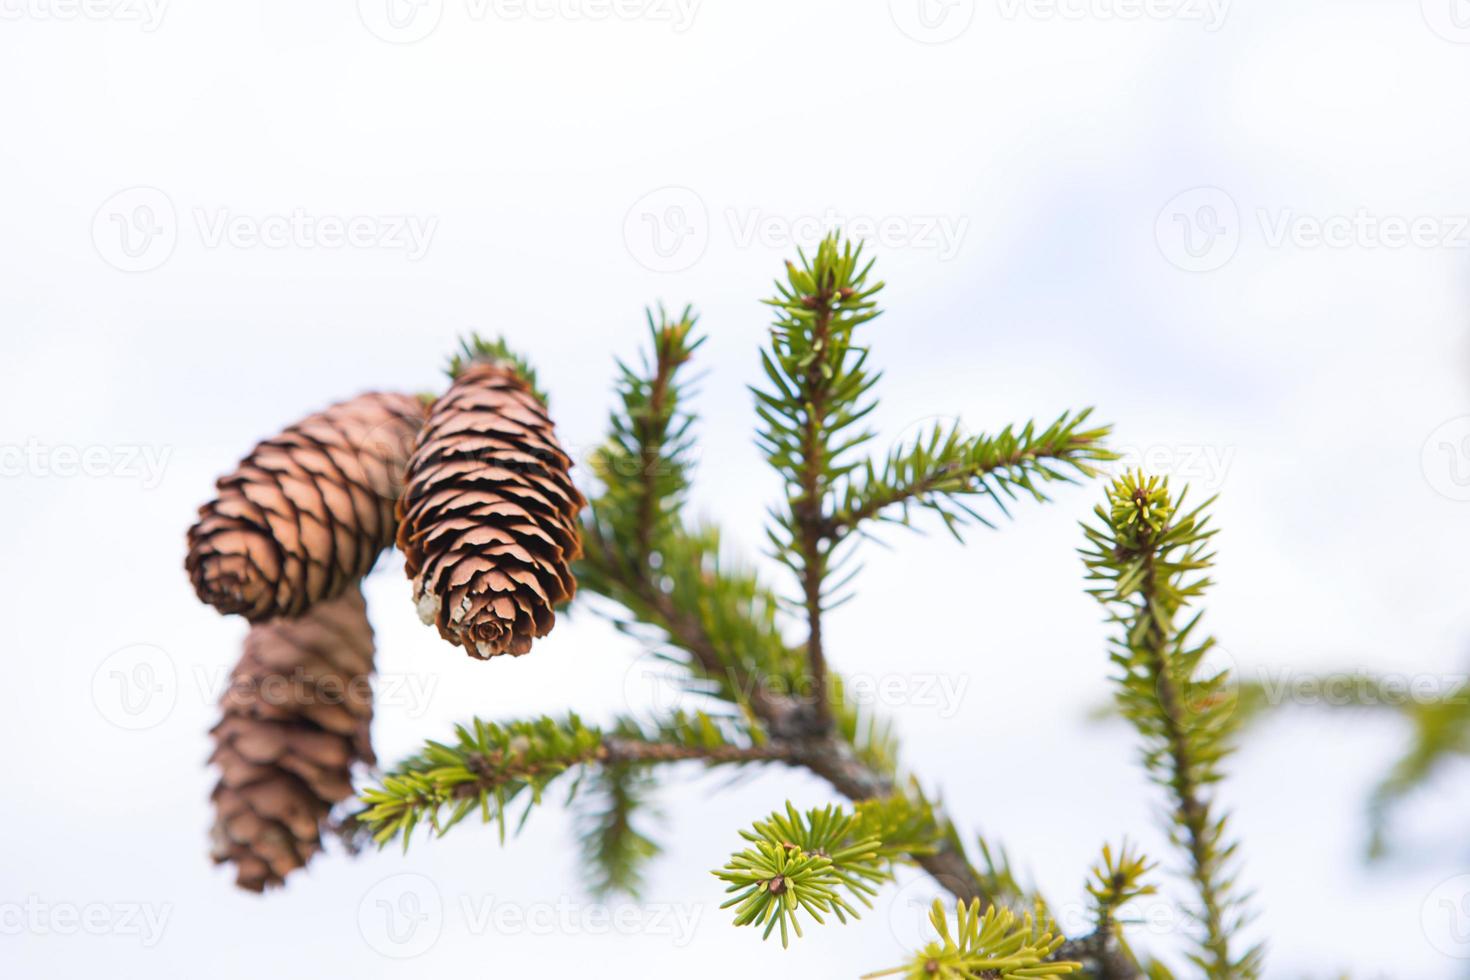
(476, 349)
(1150, 557)
(818, 393)
(615, 849)
(644, 466)
(670, 583)
(692, 604)
(486, 768)
(938, 471)
(995, 944)
(1117, 881)
(802, 862)
(489, 765)
(905, 824)
(701, 610)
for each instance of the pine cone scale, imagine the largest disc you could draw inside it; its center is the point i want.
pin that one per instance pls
(307, 512)
(295, 721)
(488, 518)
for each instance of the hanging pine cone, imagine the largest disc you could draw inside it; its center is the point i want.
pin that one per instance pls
(488, 518)
(295, 719)
(307, 512)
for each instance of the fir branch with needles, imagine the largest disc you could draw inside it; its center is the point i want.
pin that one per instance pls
(989, 944)
(1150, 557)
(759, 667)
(813, 410)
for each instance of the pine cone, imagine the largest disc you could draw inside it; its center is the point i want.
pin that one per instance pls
(488, 518)
(307, 512)
(296, 718)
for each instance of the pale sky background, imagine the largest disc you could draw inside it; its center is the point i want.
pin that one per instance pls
(1073, 209)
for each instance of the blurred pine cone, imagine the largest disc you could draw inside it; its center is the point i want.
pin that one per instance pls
(307, 512)
(295, 719)
(488, 518)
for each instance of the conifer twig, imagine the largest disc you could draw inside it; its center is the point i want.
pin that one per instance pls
(1151, 557)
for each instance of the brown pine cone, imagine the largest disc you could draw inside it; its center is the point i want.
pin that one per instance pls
(307, 512)
(488, 518)
(295, 719)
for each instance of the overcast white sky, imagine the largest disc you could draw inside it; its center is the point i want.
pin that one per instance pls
(1238, 229)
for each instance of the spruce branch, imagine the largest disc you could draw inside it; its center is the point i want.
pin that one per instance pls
(699, 609)
(993, 944)
(940, 470)
(709, 614)
(695, 607)
(489, 765)
(644, 465)
(702, 610)
(1115, 882)
(812, 414)
(1150, 558)
(802, 862)
(615, 848)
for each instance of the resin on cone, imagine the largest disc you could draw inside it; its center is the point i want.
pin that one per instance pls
(295, 720)
(488, 519)
(306, 514)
